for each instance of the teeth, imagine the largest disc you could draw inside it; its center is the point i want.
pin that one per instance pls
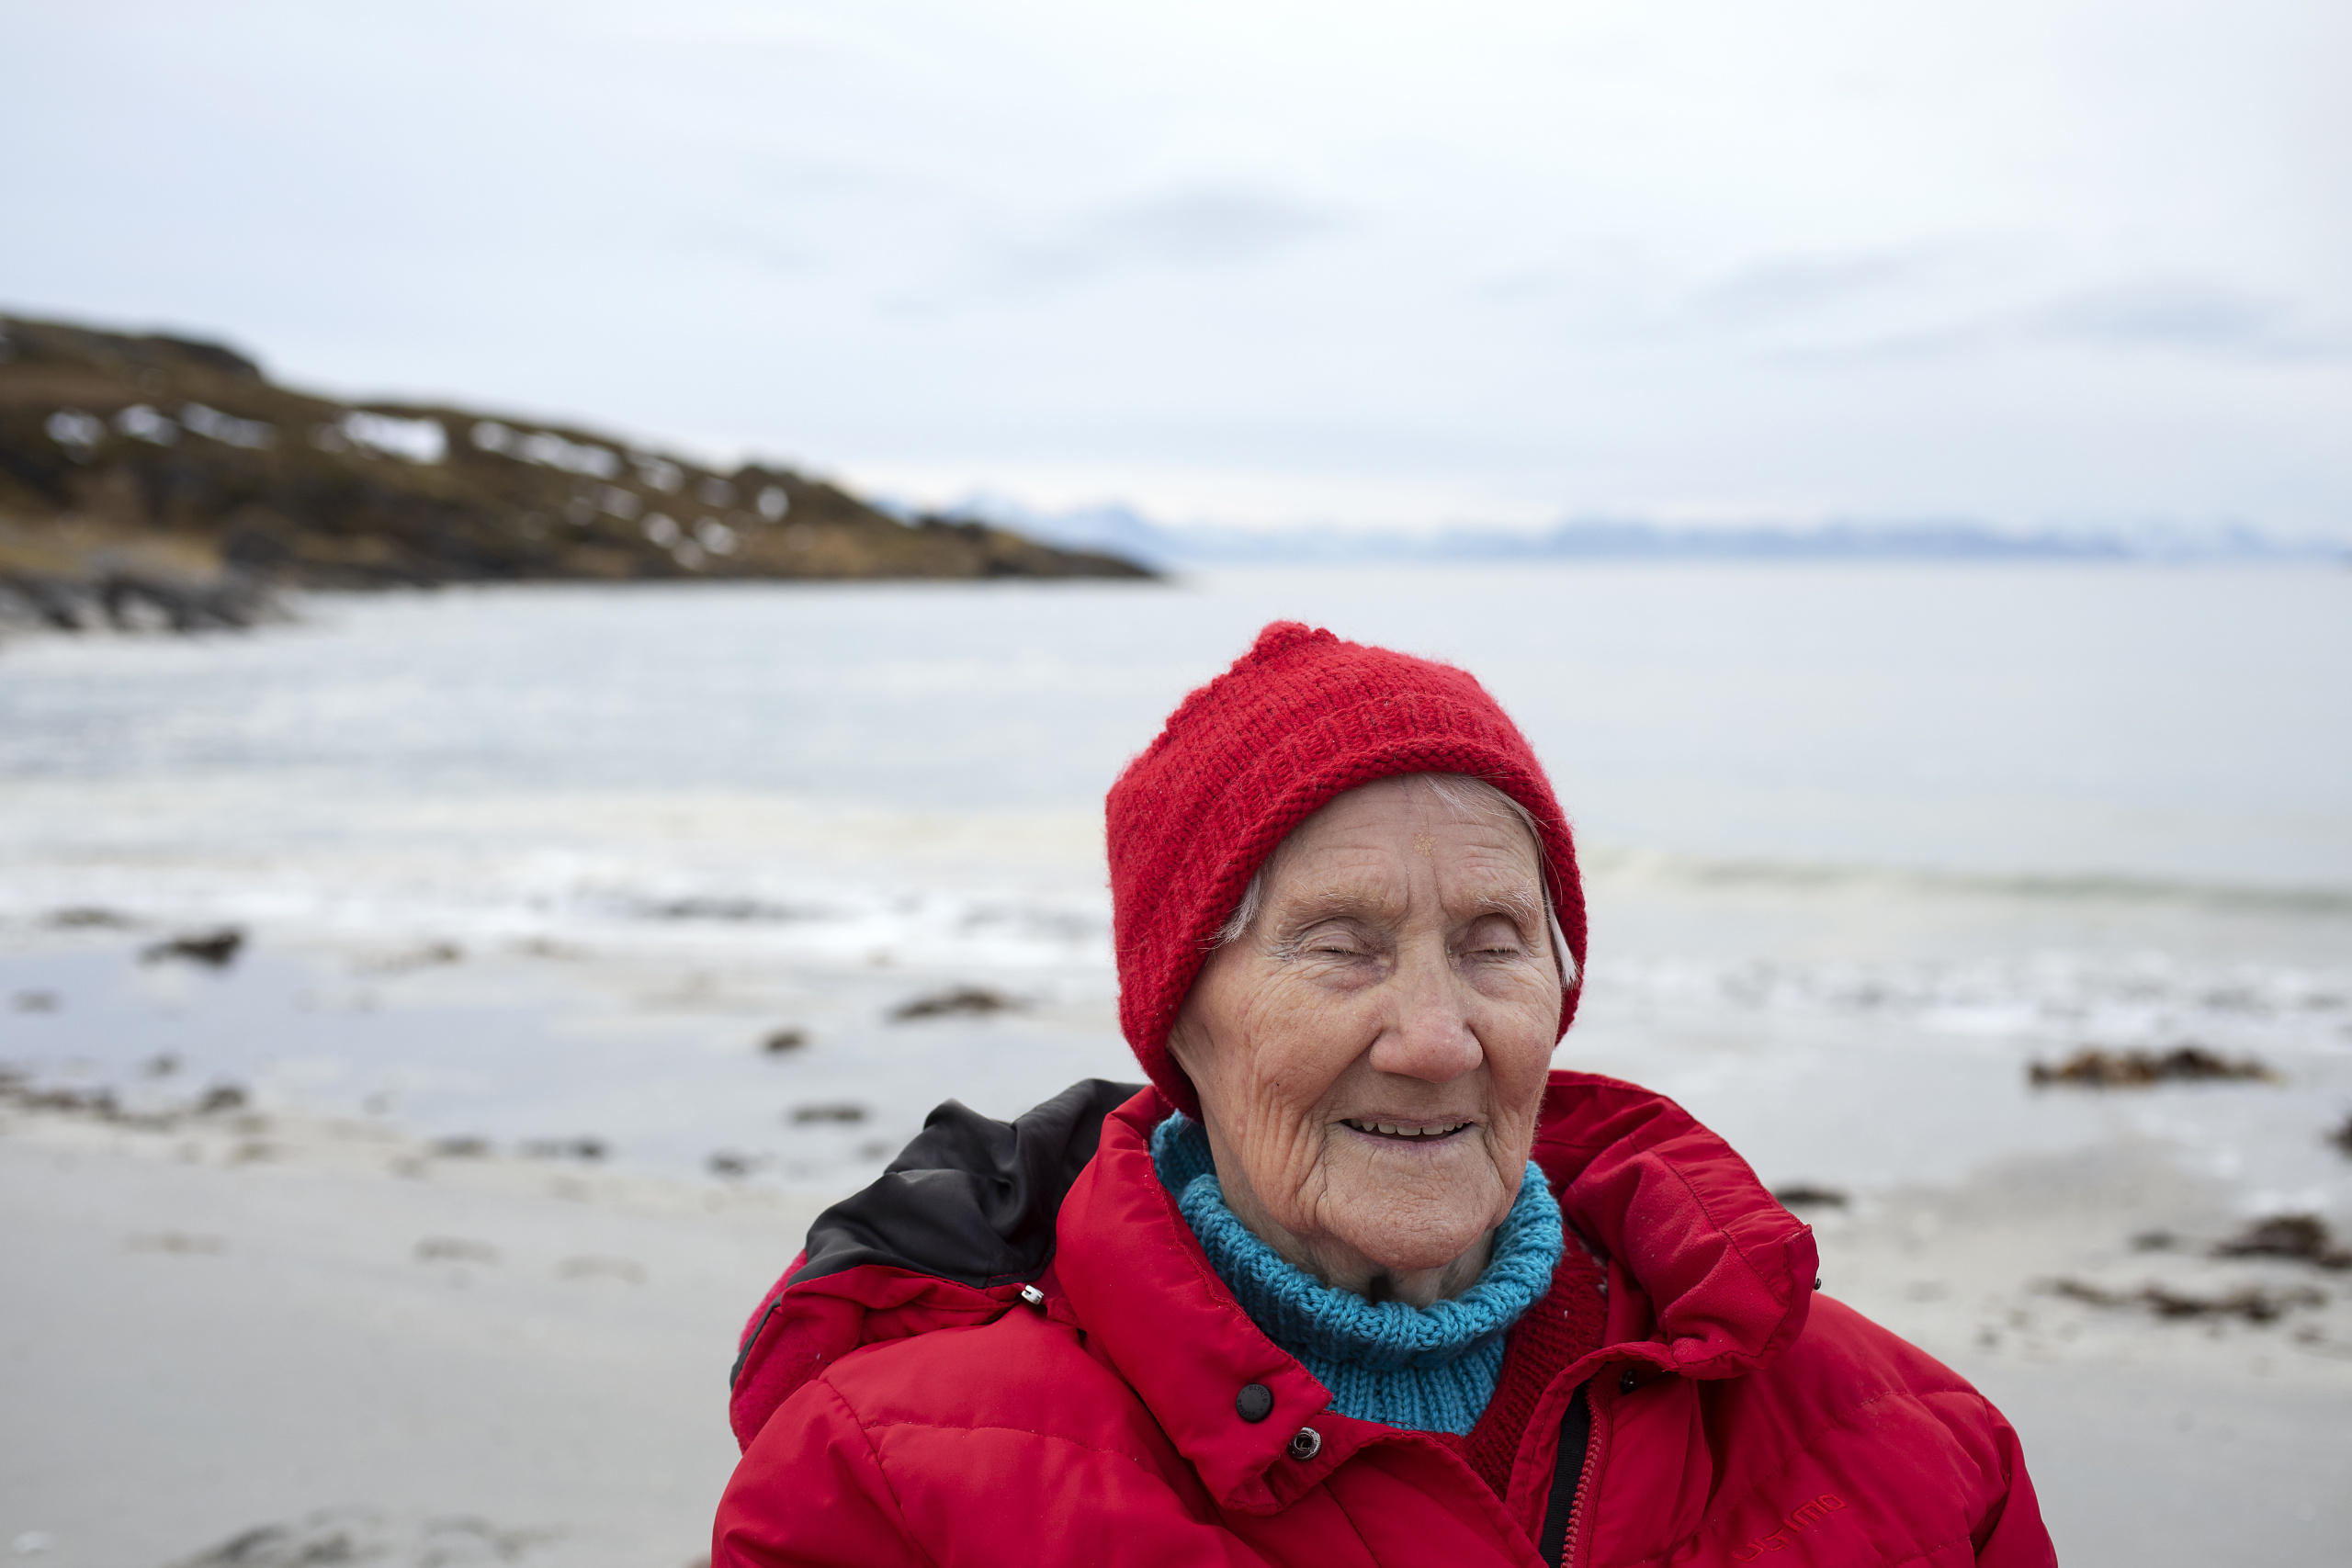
(1393, 1131)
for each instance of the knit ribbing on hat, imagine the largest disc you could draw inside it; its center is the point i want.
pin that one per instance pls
(1299, 719)
(1420, 1369)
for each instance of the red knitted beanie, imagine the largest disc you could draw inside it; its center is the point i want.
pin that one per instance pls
(1299, 718)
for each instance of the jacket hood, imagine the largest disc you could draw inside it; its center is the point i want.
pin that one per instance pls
(1709, 1277)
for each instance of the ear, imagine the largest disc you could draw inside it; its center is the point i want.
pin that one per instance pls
(1187, 1045)
(1191, 1044)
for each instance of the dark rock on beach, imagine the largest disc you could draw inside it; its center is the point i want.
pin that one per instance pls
(830, 1111)
(214, 950)
(969, 1002)
(588, 1149)
(1803, 1195)
(2302, 1238)
(745, 910)
(89, 918)
(354, 1536)
(2253, 1303)
(154, 481)
(152, 598)
(455, 1249)
(2098, 1067)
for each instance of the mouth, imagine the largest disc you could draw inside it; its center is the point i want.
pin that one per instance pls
(1409, 1130)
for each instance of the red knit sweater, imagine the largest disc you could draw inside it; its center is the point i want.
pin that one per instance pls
(1566, 1325)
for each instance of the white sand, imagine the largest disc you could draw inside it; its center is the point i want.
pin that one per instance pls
(199, 1342)
(2150, 1442)
(197, 1347)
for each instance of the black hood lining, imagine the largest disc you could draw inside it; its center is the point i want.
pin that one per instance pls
(971, 1199)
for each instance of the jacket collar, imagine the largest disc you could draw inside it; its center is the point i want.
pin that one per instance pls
(1138, 1281)
(1722, 1275)
(1714, 1279)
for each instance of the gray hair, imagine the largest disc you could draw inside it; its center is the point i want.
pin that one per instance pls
(1472, 796)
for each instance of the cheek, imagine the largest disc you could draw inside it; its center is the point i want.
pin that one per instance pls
(1526, 1049)
(1519, 1052)
(1299, 1047)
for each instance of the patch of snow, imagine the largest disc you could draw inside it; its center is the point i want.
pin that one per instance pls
(614, 502)
(715, 492)
(228, 428)
(416, 440)
(145, 423)
(717, 536)
(76, 430)
(552, 451)
(664, 530)
(547, 449)
(774, 503)
(661, 473)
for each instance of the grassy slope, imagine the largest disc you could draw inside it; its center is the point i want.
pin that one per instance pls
(149, 476)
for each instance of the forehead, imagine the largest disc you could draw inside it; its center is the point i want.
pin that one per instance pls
(1377, 838)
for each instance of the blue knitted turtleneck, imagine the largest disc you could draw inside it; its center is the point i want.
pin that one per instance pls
(1424, 1368)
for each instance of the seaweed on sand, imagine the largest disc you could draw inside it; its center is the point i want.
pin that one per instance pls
(2254, 1304)
(2302, 1238)
(967, 1001)
(2096, 1067)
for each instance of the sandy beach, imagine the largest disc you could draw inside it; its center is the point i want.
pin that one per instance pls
(323, 1329)
(230, 1326)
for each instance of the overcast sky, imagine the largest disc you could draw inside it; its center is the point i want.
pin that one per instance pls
(2028, 261)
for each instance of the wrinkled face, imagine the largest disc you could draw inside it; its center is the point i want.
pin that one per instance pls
(1370, 1056)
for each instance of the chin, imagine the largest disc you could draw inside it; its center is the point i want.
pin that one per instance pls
(1409, 1236)
(1423, 1262)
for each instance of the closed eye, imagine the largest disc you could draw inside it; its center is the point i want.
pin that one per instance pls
(1332, 940)
(1493, 938)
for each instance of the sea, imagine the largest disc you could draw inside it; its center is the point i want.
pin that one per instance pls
(734, 882)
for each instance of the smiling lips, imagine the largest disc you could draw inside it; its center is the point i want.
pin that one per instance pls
(1406, 1130)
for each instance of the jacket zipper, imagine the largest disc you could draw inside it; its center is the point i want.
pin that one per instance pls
(1594, 1437)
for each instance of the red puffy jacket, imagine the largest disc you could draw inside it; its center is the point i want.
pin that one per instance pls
(956, 1373)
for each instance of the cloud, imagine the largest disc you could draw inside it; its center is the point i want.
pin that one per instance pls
(2185, 316)
(1777, 290)
(2190, 318)
(1203, 228)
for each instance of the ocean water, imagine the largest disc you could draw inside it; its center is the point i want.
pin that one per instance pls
(553, 862)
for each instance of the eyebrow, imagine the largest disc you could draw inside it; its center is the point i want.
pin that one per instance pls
(1341, 902)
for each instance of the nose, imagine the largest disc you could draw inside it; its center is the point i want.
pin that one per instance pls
(1427, 1034)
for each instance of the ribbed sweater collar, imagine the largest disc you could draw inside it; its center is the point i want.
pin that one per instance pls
(1429, 1369)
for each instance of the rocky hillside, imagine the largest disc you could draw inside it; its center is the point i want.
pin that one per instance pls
(174, 473)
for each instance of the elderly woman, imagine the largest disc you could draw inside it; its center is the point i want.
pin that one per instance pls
(1357, 1279)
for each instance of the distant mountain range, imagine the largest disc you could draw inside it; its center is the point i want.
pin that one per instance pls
(134, 467)
(1129, 533)
(146, 475)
